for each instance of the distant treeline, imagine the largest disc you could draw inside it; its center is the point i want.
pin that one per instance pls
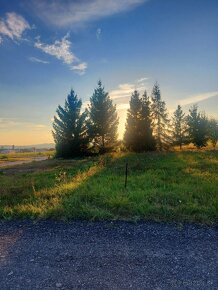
(148, 125)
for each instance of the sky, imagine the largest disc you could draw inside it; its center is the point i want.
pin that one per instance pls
(48, 47)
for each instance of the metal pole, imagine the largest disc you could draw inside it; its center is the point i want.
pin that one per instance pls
(126, 174)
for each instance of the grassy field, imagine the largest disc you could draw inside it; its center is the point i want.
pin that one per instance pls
(174, 186)
(13, 157)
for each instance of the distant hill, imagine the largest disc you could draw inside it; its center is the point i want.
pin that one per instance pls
(37, 146)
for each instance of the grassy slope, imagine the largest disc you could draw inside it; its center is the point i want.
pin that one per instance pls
(179, 186)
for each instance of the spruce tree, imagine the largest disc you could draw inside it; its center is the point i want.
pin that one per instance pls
(148, 141)
(103, 120)
(213, 131)
(197, 127)
(179, 127)
(69, 128)
(138, 135)
(132, 136)
(161, 123)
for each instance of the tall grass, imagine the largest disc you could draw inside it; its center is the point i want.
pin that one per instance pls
(176, 186)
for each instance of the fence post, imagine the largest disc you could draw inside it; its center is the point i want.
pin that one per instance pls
(126, 174)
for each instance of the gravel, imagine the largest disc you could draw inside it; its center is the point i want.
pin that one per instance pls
(107, 255)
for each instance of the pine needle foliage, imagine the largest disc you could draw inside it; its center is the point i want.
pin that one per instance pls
(103, 120)
(69, 128)
(213, 131)
(138, 135)
(179, 127)
(198, 127)
(160, 120)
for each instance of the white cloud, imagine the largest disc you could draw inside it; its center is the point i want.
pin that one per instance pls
(125, 90)
(197, 98)
(1, 39)
(80, 68)
(67, 13)
(142, 80)
(35, 59)
(61, 49)
(98, 33)
(13, 26)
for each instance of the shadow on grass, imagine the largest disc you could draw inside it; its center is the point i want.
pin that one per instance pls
(177, 186)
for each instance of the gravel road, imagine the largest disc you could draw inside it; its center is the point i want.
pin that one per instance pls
(107, 255)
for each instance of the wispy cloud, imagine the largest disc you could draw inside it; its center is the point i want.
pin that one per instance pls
(61, 49)
(124, 91)
(37, 60)
(198, 98)
(141, 80)
(98, 33)
(67, 13)
(13, 26)
(15, 123)
(80, 68)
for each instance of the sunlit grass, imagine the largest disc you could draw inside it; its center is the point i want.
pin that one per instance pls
(21, 156)
(176, 186)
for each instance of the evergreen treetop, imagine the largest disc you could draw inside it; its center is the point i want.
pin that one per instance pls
(69, 128)
(179, 126)
(197, 127)
(160, 120)
(138, 135)
(103, 119)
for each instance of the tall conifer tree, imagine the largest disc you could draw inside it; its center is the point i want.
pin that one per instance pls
(138, 135)
(179, 127)
(213, 131)
(148, 141)
(103, 119)
(161, 126)
(132, 138)
(197, 127)
(69, 128)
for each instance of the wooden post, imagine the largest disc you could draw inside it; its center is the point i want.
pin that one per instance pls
(126, 174)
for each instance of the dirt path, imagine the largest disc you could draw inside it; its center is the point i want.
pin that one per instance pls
(14, 163)
(107, 255)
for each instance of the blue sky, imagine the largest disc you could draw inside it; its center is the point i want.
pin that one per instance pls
(48, 47)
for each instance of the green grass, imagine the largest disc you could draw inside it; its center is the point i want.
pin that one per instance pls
(174, 186)
(12, 157)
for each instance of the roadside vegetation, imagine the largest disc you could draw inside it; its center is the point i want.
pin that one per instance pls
(23, 156)
(172, 186)
(166, 181)
(148, 125)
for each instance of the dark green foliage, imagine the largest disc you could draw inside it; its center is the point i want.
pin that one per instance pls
(146, 124)
(213, 131)
(138, 135)
(103, 120)
(179, 127)
(161, 123)
(132, 138)
(198, 127)
(70, 131)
